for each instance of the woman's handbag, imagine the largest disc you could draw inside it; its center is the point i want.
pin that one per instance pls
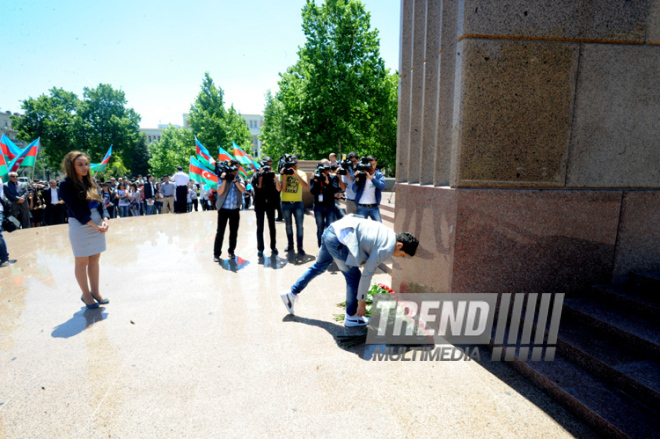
(9, 224)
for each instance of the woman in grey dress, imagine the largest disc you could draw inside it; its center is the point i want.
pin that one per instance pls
(88, 223)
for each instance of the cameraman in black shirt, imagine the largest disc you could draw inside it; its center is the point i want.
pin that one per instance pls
(324, 187)
(266, 185)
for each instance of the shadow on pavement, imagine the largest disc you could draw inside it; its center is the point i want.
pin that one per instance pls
(363, 351)
(79, 322)
(234, 265)
(296, 259)
(273, 262)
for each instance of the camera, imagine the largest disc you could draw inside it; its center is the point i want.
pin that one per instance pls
(287, 163)
(267, 174)
(320, 169)
(227, 168)
(344, 166)
(362, 167)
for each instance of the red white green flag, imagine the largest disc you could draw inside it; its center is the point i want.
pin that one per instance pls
(202, 175)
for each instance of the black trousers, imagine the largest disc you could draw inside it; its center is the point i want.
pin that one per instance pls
(234, 217)
(181, 204)
(269, 211)
(54, 214)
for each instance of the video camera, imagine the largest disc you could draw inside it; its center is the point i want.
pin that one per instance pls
(362, 167)
(227, 168)
(320, 169)
(344, 166)
(267, 173)
(287, 163)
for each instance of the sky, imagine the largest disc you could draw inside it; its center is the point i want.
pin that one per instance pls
(157, 52)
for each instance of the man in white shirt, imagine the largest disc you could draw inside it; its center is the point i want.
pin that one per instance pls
(54, 204)
(181, 181)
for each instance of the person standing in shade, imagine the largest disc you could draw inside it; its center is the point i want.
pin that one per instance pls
(150, 194)
(324, 187)
(266, 188)
(17, 193)
(167, 190)
(292, 205)
(88, 223)
(348, 180)
(181, 180)
(368, 189)
(4, 256)
(54, 204)
(228, 203)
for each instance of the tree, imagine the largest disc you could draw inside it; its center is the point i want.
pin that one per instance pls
(174, 148)
(338, 97)
(138, 157)
(213, 124)
(66, 123)
(105, 120)
(52, 118)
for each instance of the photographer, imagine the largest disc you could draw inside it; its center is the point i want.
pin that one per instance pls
(324, 187)
(348, 177)
(266, 186)
(293, 182)
(230, 193)
(368, 185)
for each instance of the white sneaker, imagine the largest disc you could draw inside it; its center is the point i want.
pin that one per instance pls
(352, 321)
(289, 300)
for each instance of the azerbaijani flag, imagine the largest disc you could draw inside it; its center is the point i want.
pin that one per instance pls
(9, 148)
(4, 172)
(244, 157)
(203, 152)
(29, 153)
(224, 156)
(202, 175)
(31, 157)
(205, 162)
(100, 167)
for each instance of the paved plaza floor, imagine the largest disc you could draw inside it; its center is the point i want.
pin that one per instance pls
(189, 348)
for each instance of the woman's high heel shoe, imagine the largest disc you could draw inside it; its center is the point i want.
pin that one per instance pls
(94, 306)
(103, 302)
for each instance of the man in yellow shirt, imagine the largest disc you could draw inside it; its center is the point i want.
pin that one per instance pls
(292, 205)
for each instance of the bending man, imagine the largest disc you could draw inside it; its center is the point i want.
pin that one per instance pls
(351, 242)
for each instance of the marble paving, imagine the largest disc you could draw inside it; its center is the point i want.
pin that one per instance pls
(188, 348)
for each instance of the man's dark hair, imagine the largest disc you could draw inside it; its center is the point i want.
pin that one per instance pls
(266, 159)
(352, 155)
(149, 176)
(409, 241)
(179, 168)
(235, 162)
(371, 158)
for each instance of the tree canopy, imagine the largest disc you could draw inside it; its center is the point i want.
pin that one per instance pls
(91, 124)
(213, 124)
(338, 97)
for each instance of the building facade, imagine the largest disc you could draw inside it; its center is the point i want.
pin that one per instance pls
(7, 129)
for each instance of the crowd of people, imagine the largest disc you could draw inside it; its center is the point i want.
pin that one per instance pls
(350, 238)
(40, 203)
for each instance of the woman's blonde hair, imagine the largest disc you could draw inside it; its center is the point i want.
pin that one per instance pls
(86, 188)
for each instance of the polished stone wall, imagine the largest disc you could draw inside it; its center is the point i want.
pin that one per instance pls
(528, 154)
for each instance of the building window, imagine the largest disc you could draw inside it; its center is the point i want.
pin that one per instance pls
(149, 139)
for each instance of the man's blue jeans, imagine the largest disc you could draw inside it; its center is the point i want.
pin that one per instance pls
(297, 210)
(150, 208)
(324, 217)
(369, 212)
(331, 249)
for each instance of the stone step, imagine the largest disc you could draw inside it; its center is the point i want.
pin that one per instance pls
(606, 409)
(648, 281)
(630, 299)
(628, 370)
(632, 332)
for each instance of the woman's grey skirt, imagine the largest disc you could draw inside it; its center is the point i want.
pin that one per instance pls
(85, 240)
